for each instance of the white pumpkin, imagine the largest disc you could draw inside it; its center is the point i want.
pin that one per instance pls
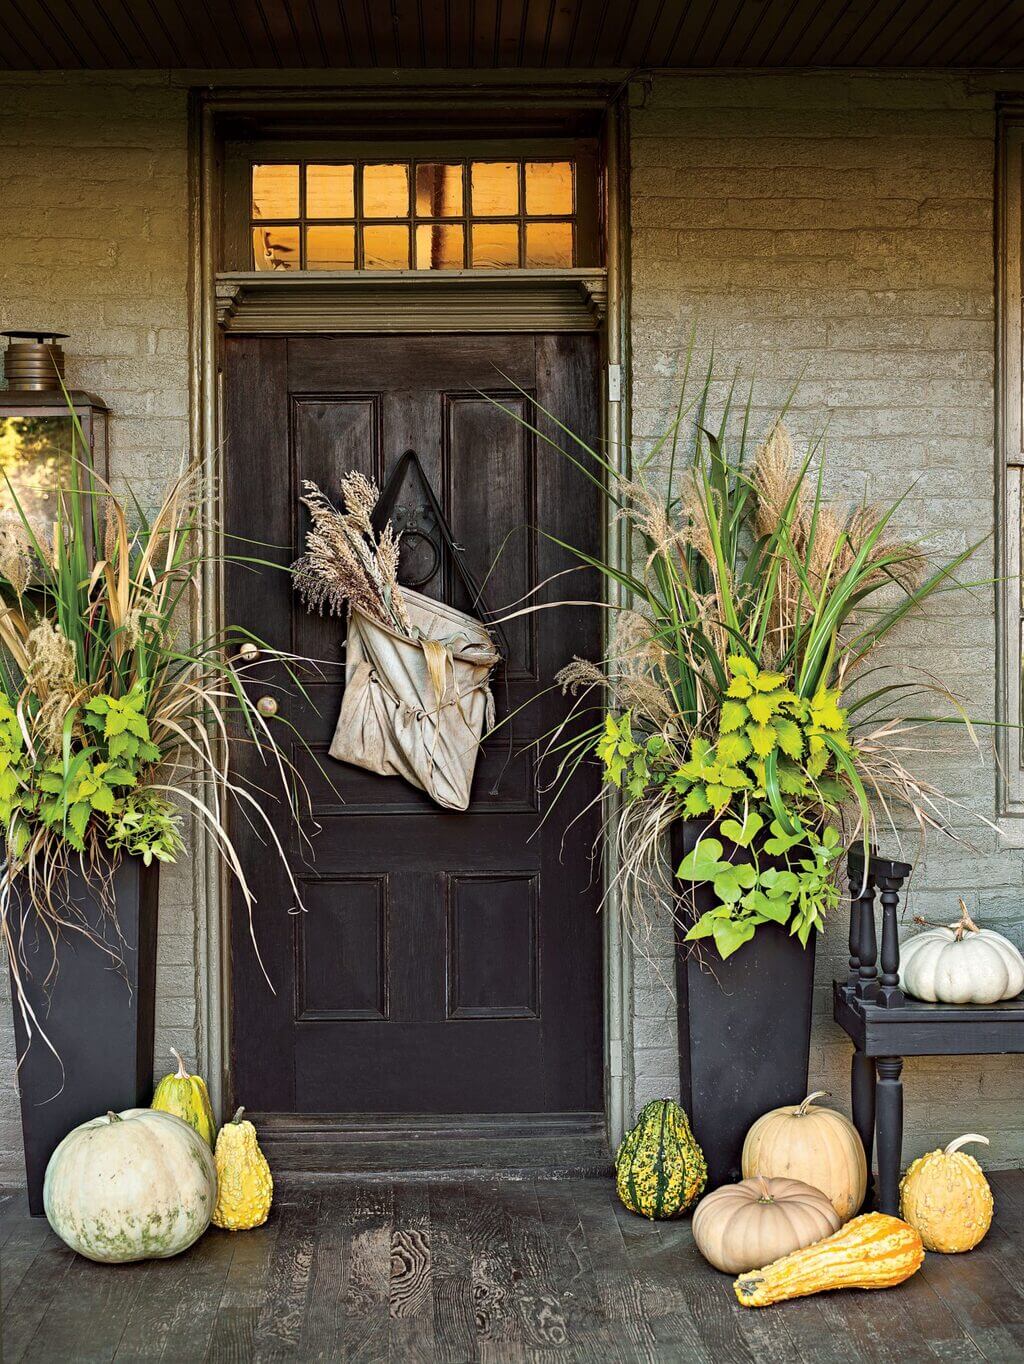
(961, 964)
(137, 1185)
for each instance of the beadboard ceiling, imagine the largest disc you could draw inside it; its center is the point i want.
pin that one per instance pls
(487, 34)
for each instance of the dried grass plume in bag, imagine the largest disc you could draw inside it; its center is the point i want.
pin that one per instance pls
(417, 672)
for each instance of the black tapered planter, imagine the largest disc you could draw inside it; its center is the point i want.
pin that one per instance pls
(744, 1023)
(97, 1011)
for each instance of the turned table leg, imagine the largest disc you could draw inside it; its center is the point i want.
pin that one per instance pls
(889, 1100)
(862, 1094)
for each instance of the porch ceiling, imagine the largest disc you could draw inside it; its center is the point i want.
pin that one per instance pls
(509, 34)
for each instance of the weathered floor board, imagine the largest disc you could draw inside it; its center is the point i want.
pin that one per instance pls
(484, 1272)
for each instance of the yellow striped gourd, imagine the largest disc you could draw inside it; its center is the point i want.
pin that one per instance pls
(187, 1097)
(872, 1251)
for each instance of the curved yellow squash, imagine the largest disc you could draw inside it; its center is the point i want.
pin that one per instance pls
(946, 1196)
(245, 1186)
(187, 1097)
(873, 1251)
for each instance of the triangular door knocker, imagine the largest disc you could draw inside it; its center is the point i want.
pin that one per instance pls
(409, 502)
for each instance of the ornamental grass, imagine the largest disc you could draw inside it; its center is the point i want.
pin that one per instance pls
(744, 682)
(114, 727)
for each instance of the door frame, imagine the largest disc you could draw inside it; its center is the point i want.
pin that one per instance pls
(208, 314)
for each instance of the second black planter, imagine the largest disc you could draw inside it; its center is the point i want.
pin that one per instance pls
(744, 1023)
(97, 1010)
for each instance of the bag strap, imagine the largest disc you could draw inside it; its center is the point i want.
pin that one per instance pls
(382, 513)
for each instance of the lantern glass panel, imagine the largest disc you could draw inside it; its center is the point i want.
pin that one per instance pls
(35, 458)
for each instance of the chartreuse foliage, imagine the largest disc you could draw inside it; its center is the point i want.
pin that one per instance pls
(101, 783)
(790, 875)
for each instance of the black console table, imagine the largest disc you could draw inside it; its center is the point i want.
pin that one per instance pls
(886, 1026)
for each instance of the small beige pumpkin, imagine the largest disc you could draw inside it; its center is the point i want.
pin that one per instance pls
(946, 1196)
(743, 1226)
(813, 1144)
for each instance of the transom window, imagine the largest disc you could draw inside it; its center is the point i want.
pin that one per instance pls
(441, 214)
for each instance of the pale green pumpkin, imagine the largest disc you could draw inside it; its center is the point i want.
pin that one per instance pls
(136, 1185)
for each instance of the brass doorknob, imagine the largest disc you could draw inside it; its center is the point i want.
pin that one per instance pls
(248, 652)
(267, 706)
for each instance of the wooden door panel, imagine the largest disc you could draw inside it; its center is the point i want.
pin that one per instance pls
(493, 944)
(492, 509)
(443, 962)
(329, 438)
(341, 951)
(405, 364)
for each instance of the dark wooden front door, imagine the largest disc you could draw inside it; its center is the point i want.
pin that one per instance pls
(445, 962)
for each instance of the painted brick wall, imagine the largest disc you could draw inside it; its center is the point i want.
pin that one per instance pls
(841, 229)
(93, 188)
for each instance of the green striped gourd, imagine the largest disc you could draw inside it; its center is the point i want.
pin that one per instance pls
(660, 1170)
(187, 1097)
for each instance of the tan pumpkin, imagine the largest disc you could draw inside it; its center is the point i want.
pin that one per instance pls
(873, 1251)
(816, 1145)
(946, 1196)
(746, 1225)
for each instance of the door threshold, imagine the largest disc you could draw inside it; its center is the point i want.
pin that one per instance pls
(329, 1148)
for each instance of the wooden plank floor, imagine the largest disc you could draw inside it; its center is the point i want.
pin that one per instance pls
(495, 1272)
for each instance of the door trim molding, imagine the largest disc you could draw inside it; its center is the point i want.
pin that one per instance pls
(210, 877)
(301, 302)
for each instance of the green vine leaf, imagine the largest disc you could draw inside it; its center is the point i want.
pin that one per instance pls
(790, 737)
(730, 935)
(745, 833)
(742, 666)
(762, 739)
(731, 883)
(704, 862)
(733, 716)
(696, 803)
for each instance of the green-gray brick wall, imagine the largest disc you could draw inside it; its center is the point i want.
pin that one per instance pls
(839, 231)
(834, 227)
(94, 200)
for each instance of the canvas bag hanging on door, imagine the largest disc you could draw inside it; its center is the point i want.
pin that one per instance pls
(417, 708)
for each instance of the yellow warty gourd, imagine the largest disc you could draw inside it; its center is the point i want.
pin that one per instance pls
(873, 1251)
(245, 1187)
(945, 1195)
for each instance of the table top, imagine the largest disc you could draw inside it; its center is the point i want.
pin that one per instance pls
(917, 1028)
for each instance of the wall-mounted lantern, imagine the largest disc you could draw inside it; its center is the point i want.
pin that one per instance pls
(37, 431)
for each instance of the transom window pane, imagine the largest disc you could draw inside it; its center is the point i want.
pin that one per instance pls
(439, 189)
(275, 191)
(427, 214)
(549, 188)
(496, 244)
(495, 189)
(331, 248)
(440, 246)
(330, 192)
(386, 190)
(548, 244)
(386, 247)
(275, 248)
